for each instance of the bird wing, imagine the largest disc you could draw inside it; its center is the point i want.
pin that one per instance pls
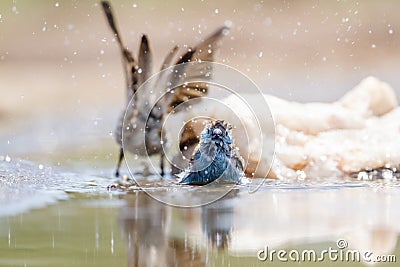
(204, 51)
(130, 65)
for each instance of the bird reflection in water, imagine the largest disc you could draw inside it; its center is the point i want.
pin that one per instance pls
(161, 235)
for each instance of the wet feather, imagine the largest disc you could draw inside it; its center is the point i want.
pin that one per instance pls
(215, 159)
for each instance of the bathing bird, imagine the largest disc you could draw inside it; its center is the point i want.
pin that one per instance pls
(215, 158)
(138, 116)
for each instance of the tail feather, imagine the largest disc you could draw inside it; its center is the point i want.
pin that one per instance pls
(130, 66)
(145, 60)
(111, 21)
(193, 178)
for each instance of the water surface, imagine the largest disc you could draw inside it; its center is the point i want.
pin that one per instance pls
(51, 217)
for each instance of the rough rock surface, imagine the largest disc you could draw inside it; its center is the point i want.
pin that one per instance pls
(359, 131)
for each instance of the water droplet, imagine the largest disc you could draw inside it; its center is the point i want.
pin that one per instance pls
(135, 156)
(260, 54)
(44, 29)
(139, 70)
(104, 39)
(373, 46)
(387, 174)
(8, 159)
(216, 11)
(301, 175)
(14, 10)
(267, 21)
(362, 176)
(134, 5)
(40, 166)
(324, 59)
(9, 237)
(57, 4)
(228, 23)
(390, 31)
(102, 52)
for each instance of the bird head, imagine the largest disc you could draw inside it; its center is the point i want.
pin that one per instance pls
(219, 132)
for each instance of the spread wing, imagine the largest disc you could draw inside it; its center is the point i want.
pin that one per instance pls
(135, 73)
(204, 51)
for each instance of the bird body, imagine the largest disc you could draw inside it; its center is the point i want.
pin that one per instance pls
(139, 129)
(215, 158)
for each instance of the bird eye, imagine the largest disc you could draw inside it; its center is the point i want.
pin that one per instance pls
(217, 131)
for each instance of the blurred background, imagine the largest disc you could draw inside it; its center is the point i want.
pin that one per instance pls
(62, 81)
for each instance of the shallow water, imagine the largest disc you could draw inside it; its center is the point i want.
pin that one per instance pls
(62, 96)
(49, 217)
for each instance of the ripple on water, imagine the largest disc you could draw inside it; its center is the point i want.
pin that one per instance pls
(25, 185)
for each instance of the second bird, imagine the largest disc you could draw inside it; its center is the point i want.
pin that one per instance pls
(138, 117)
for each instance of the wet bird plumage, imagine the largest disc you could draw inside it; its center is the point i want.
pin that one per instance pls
(134, 119)
(215, 158)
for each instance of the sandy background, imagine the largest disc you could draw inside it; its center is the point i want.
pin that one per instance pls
(61, 79)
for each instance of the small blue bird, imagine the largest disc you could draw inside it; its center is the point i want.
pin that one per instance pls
(215, 158)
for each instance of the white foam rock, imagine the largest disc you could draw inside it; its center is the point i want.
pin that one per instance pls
(361, 130)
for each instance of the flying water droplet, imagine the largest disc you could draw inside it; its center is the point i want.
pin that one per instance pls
(228, 23)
